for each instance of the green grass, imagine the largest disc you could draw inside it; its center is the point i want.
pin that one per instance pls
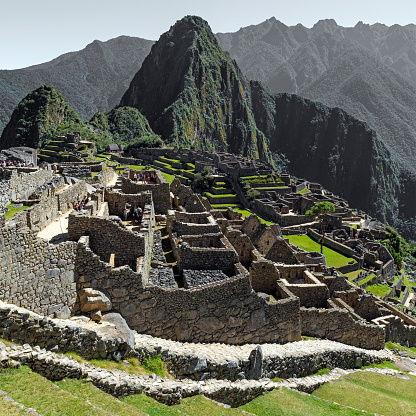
(352, 275)
(170, 178)
(131, 365)
(86, 391)
(369, 277)
(247, 213)
(33, 390)
(12, 211)
(332, 257)
(285, 402)
(379, 289)
(393, 346)
(384, 364)
(219, 196)
(372, 392)
(303, 191)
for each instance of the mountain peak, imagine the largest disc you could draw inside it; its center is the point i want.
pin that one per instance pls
(193, 94)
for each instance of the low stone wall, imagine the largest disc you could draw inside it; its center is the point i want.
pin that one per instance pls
(23, 326)
(205, 258)
(16, 185)
(104, 177)
(338, 325)
(79, 172)
(67, 197)
(35, 274)
(118, 200)
(397, 330)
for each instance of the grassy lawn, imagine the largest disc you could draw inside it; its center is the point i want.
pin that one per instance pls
(393, 346)
(168, 177)
(13, 211)
(303, 191)
(247, 213)
(352, 275)
(367, 278)
(332, 257)
(133, 365)
(219, 196)
(379, 289)
(33, 390)
(375, 393)
(282, 402)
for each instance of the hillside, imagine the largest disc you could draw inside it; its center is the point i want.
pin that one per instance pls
(36, 117)
(92, 80)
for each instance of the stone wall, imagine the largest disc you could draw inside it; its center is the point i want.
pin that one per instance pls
(397, 330)
(311, 292)
(24, 326)
(104, 177)
(67, 197)
(338, 325)
(38, 216)
(79, 172)
(160, 192)
(35, 274)
(117, 201)
(205, 258)
(109, 238)
(16, 185)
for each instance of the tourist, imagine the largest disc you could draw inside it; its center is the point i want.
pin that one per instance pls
(126, 213)
(135, 177)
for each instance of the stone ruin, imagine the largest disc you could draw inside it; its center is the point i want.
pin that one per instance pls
(230, 280)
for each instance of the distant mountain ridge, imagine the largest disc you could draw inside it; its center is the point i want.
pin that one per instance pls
(92, 80)
(368, 70)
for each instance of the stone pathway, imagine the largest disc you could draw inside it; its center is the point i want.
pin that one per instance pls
(57, 231)
(222, 353)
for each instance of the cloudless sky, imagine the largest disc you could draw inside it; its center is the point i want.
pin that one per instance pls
(36, 31)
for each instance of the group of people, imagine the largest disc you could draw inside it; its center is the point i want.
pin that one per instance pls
(145, 176)
(136, 213)
(15, 163)
(79, 204)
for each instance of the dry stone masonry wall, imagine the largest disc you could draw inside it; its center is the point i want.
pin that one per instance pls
(35, 274)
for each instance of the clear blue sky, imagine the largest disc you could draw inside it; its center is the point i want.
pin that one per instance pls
(36, 31)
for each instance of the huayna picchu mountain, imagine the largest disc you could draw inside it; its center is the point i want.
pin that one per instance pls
(193, 94)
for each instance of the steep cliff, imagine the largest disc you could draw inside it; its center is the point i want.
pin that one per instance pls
(40, 111)
(193, 94)
(329, 146)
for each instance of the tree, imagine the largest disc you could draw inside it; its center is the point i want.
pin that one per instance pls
(319, 211)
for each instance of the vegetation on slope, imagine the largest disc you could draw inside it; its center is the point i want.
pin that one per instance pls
(127, 126)
(40, 112)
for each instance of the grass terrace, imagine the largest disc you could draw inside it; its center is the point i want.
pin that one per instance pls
(72, 397)
(379, 289)
(375, 393)
(13, 211)
(333, 258)
(303, 191)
